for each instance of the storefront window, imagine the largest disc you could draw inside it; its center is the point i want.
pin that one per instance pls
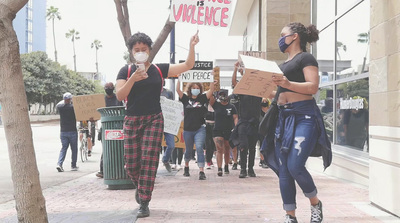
(352, 118)
(325, 103)
(325, 54)
(353, 42)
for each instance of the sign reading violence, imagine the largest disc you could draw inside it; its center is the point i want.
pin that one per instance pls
(201, 12)
(201, 72)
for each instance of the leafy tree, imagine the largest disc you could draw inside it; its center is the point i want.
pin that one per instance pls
(53, 13)
(97, 45)
(364, 38)
(29, 199)
(73, 35)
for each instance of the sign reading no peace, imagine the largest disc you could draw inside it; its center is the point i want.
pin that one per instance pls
(201, 12)
(201, 72)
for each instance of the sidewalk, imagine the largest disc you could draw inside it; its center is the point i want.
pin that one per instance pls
(217, 199)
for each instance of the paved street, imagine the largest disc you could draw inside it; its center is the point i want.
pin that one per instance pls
(81, 197)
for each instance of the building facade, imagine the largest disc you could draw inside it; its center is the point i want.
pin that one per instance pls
(30, 26)
(358, 55)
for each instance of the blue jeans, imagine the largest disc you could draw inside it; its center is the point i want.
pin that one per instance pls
(67, 139)
(170, 140)
(197, 138)
(292, 163)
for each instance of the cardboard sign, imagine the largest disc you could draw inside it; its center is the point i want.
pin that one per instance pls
(173, 115)
(257, 80)
(201, 72)
(85, 106)
(115, 134)
(214, 13)
(179, 141)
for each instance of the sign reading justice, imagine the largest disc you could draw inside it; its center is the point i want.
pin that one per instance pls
(201, 72)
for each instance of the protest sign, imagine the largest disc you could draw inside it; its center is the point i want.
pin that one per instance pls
(214, 13)
(85, 106)
(179, 141)
(257, 79)
(173, 115)
(201, 72)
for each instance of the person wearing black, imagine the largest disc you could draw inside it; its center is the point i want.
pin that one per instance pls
(194, 131)
(111, 100)
(265, 103)
(144, 122)
(247, 127)
(225, 119)
(210, 145)
(69, 134)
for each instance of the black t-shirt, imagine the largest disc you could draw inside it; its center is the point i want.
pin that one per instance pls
(67, 117)
(144, 97)
(249, 107)
(234, 100)
(112, 101)
(293, 69)
(224, 116)
(194, 111)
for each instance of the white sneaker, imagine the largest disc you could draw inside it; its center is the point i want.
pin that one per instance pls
(208, 167)
(74, 168)
(178, 167)
(173, 166)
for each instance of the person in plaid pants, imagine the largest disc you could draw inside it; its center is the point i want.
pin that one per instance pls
(140, 86)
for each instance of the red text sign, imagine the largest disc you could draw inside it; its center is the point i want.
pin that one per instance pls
(114, 134)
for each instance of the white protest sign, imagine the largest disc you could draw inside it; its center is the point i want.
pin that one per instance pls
(201, 72)
(257, 80)
(201, 12)
(173, 115)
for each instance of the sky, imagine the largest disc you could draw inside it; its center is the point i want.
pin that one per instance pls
(97, 19)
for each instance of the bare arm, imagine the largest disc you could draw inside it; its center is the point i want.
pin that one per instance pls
(235, 119)
(212, 100)
(234, 75)
(310, 86)
(211, 90)
(176, 69)
(178, 89)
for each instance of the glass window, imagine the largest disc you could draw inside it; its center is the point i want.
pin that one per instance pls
(325, 103)
(352, 116)
(353, 42)
(325, 11)
(325, 54)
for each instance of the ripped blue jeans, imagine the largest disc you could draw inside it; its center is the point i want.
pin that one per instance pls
(292, 162)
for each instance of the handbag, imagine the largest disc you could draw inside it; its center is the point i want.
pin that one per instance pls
(268, 122)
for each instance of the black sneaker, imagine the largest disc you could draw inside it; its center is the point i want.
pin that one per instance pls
(202, 175)
(144, 210)
(226, 169)
(316, 213)
(59, 168)
(251, 173)
(290, 219)
(243, 173)
(234, 166)
(168, 167)
(89, 153)
(99, 174)
(186, 172)
(220, 172)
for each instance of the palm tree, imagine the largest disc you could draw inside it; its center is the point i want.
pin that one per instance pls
(97, 45)
(364, 38)
(74, 35)
(340, 45)
(53, 13)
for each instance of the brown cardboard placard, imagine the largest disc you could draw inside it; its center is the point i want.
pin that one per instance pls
(85, 106)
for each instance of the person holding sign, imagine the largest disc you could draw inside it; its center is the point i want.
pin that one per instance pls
(144, 123)
(300, 131)
(194, 131)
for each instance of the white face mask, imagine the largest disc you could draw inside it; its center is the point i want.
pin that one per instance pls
(141, 57)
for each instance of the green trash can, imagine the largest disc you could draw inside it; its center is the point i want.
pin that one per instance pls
(112, 121)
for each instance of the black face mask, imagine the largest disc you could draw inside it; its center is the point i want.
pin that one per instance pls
(264, 104)
(109, 91)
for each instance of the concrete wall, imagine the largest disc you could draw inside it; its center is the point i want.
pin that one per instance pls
(384, 103)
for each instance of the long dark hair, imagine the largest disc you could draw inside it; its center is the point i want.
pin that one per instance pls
(307, 34)
(190, 86)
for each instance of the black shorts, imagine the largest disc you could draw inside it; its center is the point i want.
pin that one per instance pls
(86, 132)
(226, 134)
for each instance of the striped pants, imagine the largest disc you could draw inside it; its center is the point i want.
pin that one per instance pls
(142, 147)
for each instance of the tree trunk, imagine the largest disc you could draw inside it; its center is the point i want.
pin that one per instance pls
(29, 200)
(168, 26)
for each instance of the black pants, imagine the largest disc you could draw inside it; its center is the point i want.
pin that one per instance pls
(210, 145)
(250, 150)
(177, 154)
